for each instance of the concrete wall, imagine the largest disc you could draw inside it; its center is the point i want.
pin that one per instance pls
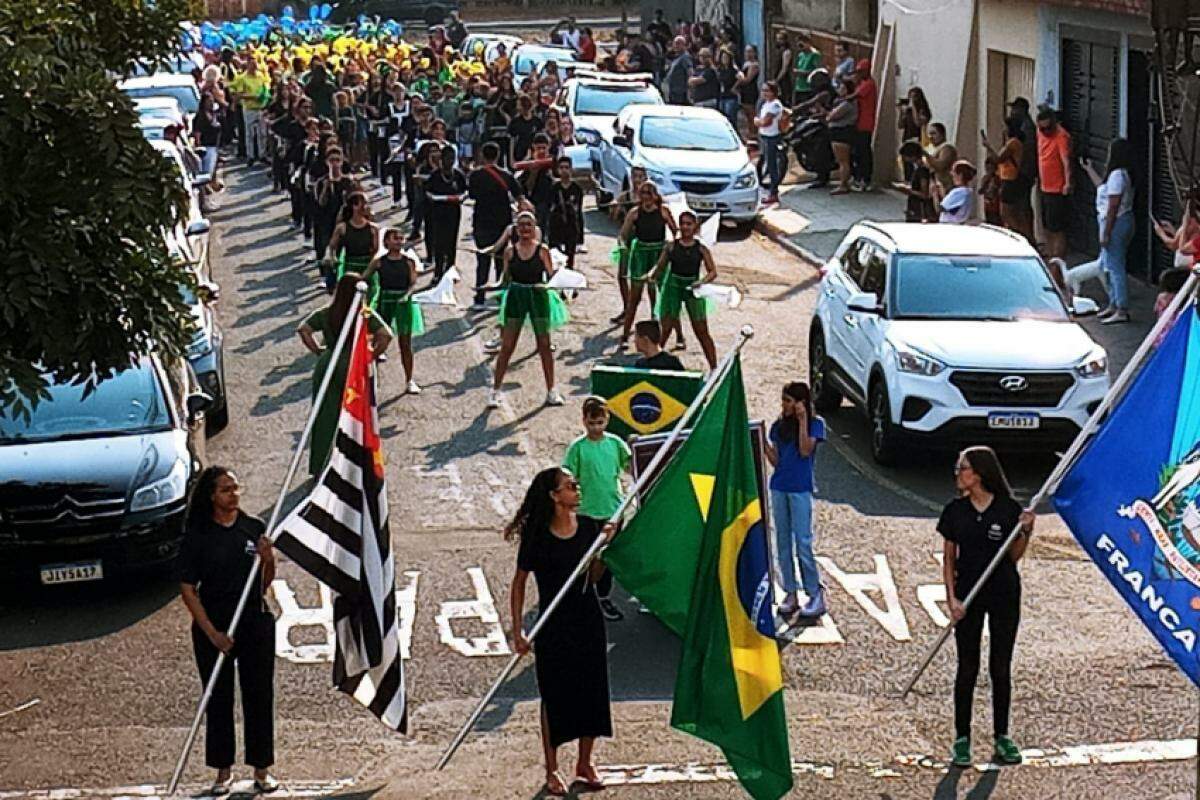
(825, 15)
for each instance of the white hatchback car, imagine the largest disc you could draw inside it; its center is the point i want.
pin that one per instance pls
(951, 335)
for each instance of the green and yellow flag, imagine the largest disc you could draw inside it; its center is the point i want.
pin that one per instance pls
(695, 556)
(644, 401)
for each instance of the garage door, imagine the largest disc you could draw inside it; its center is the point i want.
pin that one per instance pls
(1091, 112)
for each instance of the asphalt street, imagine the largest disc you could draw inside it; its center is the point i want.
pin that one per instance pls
(113, 670)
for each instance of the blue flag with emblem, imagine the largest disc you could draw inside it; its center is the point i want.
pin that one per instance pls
(1132, 497)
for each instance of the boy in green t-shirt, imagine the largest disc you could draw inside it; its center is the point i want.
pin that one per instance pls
(598, 459)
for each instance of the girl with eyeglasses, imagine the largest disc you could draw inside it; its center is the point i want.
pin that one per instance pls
(974, 526)
(571, 650)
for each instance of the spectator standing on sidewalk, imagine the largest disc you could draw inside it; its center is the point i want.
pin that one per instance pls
(957, 206)
(767, 123)
(1014, 192)
(747, 87)
(843, 126)
(678, 73)
(1114, 215)
(844, 68)
(919, 207)
(1028, 174)
(253, 88)
(912, 118)
(941, 156)
(727, 78)
(781, 67)
(704, 83)
(807, 59)
(598, 459)
(1054, 180)
(866, 95)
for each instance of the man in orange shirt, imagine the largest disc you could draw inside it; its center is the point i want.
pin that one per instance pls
(1054, 180)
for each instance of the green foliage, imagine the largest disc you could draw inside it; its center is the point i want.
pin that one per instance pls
(87, 280)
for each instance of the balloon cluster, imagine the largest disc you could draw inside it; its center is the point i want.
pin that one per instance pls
(261, 29)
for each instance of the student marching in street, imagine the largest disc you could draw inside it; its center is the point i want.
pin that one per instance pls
(536, 176)
(646, 337)
(355, 240)
(329, 196)
(444, 192)
(328, 321)
(219, 545)
(397, 280)
(564, 231)
(618, 210)
(974, 527)
(598, 459)
(527, 267)
(791, 448)
(494, 190)
(571, 649)
(645, 231)
(679, 265)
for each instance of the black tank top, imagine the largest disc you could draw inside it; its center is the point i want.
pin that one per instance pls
(685, 261)
(649, 227)
(358, 242)
(393, 274)
(526, 270)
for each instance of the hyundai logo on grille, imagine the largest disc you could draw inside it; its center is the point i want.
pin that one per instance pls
(1014, 383)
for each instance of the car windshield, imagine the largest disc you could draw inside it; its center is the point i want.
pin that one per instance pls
(974, 288)
(188, 97)
(609, 100)
(129, 402)
(688, 133)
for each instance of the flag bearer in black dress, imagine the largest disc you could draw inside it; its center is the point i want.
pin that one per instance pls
(571, 650)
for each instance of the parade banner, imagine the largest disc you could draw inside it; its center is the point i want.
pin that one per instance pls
(644, 401)
(1131, 498)
(695, 554)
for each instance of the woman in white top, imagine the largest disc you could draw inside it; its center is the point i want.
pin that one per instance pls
(1114, 212)
(957, 206)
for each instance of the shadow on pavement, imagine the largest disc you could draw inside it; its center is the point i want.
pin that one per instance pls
(41, 616)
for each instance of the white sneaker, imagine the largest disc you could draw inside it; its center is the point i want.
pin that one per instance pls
(491, 345)
(493, 400)
(413, 388)
(553, 398)
(582, 248)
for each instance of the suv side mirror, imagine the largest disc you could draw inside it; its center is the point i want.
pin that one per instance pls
(1084, 307)
(197, 404)
(864, 303)
(621, 141)
(199, 227)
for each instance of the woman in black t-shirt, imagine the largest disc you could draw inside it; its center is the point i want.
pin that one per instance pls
(219, 545)
(571, 650)
(975, 527)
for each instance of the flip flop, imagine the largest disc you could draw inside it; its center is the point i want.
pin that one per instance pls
(561, 790)
(588, 783)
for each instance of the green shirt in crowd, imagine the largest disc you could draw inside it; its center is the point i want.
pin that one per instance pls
(806, 62)
(598, 466)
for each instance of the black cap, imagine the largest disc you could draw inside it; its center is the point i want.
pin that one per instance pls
(1019, 102)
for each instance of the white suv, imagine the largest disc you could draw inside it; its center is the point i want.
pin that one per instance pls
(952, 335)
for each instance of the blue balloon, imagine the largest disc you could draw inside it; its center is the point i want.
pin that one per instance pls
(289, 12)
(314, 12)
(326, 10)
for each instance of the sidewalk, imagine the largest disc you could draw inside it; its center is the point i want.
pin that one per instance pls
(811, 223)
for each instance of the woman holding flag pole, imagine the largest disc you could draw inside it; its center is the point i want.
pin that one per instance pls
(571, 654)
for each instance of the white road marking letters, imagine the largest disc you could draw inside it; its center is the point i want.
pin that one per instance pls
(483, 608)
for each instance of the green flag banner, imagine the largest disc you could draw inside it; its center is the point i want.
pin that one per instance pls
(643, 401)
(694, 554)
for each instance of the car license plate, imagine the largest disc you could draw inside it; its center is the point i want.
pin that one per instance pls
(72, 573)
(1014, 421)
(701, 205)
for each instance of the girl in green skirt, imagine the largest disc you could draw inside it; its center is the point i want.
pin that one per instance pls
(527, 301)
(679, 269)
(328, 322)
(397, 276)
(645, 230)
(621, 205)
(355, 240)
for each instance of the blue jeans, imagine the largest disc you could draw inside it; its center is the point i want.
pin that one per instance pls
(1114, 259)
(769, 146)
(729, 107)
(792, 512)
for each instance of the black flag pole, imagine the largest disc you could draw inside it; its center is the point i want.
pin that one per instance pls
(1050, 485)
(326, 380)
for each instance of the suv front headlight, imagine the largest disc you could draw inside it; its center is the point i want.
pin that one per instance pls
(162, 491)
(656, 177)
(588, 136)
(908, 360)
(1093, 366)
(746, 179)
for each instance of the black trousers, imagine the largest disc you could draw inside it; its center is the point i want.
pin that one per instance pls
(1003, 617)
(377, 153)
(862, 157)
(240, 120)
(395, 171)
(442, 236)
(416, 206)
(254, 655)
(298, 197)
(485, 236)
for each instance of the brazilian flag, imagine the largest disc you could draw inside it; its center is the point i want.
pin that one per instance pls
(644, 401)
(695, 555)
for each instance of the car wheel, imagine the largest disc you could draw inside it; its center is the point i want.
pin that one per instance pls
(884, 444)
(435, 15)
(826, 398)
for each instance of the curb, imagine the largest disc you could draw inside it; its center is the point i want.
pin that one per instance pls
(776, 234)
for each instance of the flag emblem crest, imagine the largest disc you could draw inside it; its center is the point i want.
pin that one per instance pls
(645, 408)
(1172, 518)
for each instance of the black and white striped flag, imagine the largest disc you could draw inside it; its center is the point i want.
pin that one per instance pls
(339, 534)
